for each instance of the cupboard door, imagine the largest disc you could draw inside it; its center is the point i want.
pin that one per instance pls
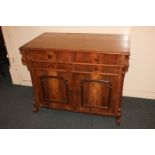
(95, 92)
(53, 88)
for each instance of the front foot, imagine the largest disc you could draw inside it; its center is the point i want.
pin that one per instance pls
(118, 117)
(35, 109)
(118, 120)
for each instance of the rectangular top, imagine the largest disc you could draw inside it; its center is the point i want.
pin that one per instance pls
(111, 43)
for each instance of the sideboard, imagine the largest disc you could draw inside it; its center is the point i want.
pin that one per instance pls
(78, 72)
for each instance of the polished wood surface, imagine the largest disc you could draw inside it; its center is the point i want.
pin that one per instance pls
(81, 42)
(78, 72)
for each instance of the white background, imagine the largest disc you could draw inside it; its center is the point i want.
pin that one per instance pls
(77, 13)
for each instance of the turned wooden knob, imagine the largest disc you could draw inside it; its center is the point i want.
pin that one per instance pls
(51, 66)
(50, 56)
(96, 69)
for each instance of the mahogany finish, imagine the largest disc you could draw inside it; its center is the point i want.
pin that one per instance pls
(78, 72)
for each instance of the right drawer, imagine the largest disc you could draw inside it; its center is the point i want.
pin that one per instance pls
(98, 69)
(98, 58)
(87, 57)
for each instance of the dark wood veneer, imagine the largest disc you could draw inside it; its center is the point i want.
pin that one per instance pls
(78, 72)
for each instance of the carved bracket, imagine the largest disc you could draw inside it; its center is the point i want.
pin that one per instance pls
(126, 64)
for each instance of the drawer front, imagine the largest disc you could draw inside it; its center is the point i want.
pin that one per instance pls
(86, 57)
(57, 66)
(99, 58)
(51, 56)
(97, 69)
(42, 55)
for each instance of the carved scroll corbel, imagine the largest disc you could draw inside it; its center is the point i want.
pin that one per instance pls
(126, 65)
(24, 60)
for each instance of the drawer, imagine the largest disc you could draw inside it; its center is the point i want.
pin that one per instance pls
(98, 58)
(51, 56)
(86, 57)
(57, 66)
(87, 68)
(97, 69)
(42, 56)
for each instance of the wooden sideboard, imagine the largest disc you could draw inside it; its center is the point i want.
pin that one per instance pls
(78, 72)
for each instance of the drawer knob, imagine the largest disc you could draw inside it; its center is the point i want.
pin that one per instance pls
(51, 66)
(96, 69)
(50, 56)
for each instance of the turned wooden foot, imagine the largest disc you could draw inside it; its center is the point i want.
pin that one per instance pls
(35, 104)
(118, 117)
(35, 109)
(118, 120)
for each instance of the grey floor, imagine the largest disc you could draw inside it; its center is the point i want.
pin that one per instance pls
(16, 113)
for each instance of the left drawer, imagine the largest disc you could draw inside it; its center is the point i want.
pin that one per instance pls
(50, 56)
(48, 65)
(42, 56)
